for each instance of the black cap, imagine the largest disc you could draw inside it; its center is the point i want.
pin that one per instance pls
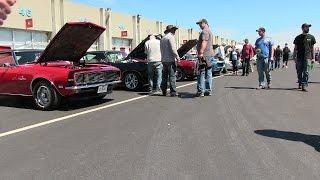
(261, 29)
(202, 21)
(305, 25)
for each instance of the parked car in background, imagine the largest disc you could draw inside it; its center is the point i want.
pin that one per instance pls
(134, 66)
(57, 74)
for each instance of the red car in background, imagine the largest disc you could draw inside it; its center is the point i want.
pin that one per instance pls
(57, 73)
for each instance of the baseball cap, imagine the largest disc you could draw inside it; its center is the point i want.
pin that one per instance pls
(305, 25)
(261, 29)
(202, 21)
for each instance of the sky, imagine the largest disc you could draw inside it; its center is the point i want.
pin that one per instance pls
(234, 19)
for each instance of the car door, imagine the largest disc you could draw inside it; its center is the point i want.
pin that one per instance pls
(8, 74)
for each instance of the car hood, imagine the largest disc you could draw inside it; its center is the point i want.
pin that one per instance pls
(185, 48)
(139, 52)
(71, 42)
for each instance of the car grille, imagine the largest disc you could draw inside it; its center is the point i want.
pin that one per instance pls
(96, 77)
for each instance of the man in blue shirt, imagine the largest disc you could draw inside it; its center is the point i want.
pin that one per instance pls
(265, 53)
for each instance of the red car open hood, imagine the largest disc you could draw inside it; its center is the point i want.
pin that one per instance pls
(139, 52)
(71, 42)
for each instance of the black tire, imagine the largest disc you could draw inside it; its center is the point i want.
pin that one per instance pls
(45, 96)
(132, 81)
(181, 75)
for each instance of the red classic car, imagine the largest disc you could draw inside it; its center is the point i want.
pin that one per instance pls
(57, 72)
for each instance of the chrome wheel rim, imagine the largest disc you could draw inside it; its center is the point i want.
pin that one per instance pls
(131, 81)
(179, 75)
(43, 96)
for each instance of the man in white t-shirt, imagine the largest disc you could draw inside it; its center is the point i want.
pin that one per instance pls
(153, 51)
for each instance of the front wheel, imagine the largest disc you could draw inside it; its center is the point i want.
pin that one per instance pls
(45, 96)
(132, 81)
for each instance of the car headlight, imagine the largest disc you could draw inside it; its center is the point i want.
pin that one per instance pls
(79, 78)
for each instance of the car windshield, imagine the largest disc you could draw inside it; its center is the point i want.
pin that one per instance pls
(25, 57)
(110, 56)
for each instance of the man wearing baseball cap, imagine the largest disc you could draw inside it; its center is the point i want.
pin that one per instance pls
(205, 57)
(303, 53)
(265, 53)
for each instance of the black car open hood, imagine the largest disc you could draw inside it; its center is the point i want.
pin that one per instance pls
(139, 51)
(184, 49)
(71, 42)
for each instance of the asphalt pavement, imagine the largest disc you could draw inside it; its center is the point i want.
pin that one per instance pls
(238, 133)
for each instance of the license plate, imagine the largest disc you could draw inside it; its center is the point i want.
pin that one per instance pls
(103, 89)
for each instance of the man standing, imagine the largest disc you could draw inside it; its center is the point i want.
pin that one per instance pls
(265, 54)
(286, 54)
(205, 56)
(277, 56)
(169, 56)
(5, 9)
(304, 52)
(247, 54)
(152, 49)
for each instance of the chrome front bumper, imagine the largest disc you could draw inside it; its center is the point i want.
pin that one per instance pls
(91, 85)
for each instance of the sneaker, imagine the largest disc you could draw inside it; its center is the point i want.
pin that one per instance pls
(259, 87)
(208, 93)
(299, 87)
(269, 86)
(201, 95)
(174, 94)
(286, 67)
(304, 89)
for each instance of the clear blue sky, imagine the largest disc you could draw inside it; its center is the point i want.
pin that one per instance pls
(236, 19)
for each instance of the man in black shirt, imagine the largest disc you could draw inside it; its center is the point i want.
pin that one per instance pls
(304, 52)
(286, 54)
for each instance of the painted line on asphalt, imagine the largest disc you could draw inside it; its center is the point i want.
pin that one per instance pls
(19, 130)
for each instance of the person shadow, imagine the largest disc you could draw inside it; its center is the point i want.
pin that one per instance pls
(311, 140)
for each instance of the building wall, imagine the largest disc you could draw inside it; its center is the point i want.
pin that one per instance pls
(49, 16)
(38, 10)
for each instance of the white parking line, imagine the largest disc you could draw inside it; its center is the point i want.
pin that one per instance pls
(82, 113)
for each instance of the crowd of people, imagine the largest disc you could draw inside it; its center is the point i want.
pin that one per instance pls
(163, 56)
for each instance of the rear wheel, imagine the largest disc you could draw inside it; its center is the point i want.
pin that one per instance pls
(132, 81)
(45, 96)
(180, 76)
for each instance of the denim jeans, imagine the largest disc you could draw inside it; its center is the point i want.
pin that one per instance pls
(277, 61)
(169, 73)
(263, 67)
(245, 66)
(154, 75)
(302, 71)
(204, 79)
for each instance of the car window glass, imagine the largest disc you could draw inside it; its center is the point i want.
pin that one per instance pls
(6, 59)
(114, 57)
(94, 57)
(27, 57)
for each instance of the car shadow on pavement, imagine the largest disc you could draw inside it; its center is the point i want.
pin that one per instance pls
(27, 103)
(81, 104)
(311, 140)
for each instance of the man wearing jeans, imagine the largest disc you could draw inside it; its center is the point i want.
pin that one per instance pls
(247, 54)
(152, 49)
(169, 56)
(304, 52)
(205, 56)
(265, 54)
